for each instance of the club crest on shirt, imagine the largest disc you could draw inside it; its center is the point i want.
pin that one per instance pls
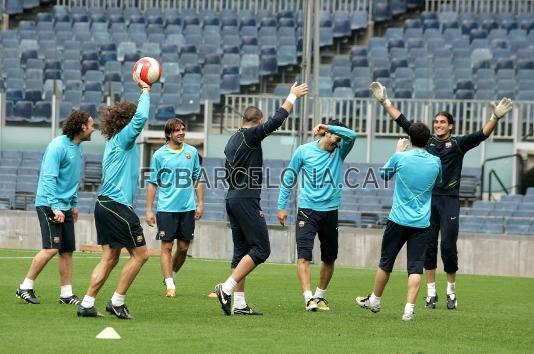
(139, 238)
(188, 155)
(448, 145)
(57, 239)
(301, 223)
(162, 234)
(262, 214)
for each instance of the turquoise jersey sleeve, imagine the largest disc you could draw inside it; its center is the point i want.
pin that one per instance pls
(348, 137)
(126, 137)
(196, 168)
(154, 168)
(49, 175)
(389, 169)
(290, 175)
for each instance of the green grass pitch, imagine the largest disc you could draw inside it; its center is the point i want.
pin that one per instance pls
(495, 314)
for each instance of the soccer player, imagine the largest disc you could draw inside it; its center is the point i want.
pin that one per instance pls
(417, 172)
(56, 204)
(446, 195)
(176, 171)
(321, 163)
(117, 225)
(244, 166)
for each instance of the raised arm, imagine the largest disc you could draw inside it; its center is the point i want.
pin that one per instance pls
(348, 136)
(498, 111)
(128, 135)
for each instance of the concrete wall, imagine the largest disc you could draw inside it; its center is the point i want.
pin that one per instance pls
(489, 255)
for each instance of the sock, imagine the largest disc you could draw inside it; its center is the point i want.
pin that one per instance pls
(26, 284)
(451, 288)
(88, 301)
(173, 275)
(117, 299)
(239, 300)
(374, 300)
(170, 283)
(431, 289)
(66, 291)
(307, 295)
(319, 293)
(408, 308)
(229, 285)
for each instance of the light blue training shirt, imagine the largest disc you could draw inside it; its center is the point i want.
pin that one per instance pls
(120, 164)
(174, 173)
(417, 171)
(322, 171)
(60, 175)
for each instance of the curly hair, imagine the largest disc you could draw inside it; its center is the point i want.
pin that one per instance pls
(73, 124)
(114, 118)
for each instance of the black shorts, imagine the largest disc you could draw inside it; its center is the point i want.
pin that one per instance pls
(395, 236)
(56, 235)
(175, 225)
(324, 223)
(117, 225)
(249, 230)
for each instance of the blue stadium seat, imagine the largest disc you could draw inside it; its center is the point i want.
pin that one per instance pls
(42, 112)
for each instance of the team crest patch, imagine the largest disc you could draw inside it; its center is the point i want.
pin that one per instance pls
(262, 214)
(162, 234)
(139, 238)
(448, 144)
(188, 155)
(57, 239)
(301, 223)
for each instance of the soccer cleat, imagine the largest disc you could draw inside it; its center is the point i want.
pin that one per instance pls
(408, 316)
(246, 311)
(88, 312)
(431, 302)
(452, 302)
(119, 311)
(71, 300)
(28, 295)
(363, 301)
(170, 293)
(311, 305)
(322, 304)
(224, 299)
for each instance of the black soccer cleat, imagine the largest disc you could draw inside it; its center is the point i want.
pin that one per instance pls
(452, 302)
(88, 312)
(431, 302)
(71, 300)
(224, 299)
(119, 311)
(246, 311)
(28, 295)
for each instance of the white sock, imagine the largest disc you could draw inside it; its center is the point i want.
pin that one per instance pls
(408, 308)
(239, 300)
(307, 295)
(117, 299)
(229, 285)
(170, 283)
(26, 284)
(88, 301)
(173, 275)
(374, 300)
(451, 288)
(66, 291)
(319, 293)
(431, 289)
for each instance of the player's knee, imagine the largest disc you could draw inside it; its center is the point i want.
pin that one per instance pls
(183, 247)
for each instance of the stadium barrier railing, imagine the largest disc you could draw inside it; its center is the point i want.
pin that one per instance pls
(478, 6)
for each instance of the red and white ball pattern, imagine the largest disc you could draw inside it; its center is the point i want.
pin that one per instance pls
(148, 70)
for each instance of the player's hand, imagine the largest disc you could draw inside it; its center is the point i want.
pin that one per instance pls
(199, 211)
(150, 218)
(282, 217)
(501, 109)
(380, 93)
(75, 214)
(299, 90)
(142, 85)
(319, 129)
(59, 216)
(402, 144)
